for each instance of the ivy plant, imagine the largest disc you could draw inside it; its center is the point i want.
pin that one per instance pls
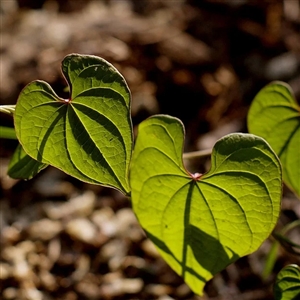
(199, 223)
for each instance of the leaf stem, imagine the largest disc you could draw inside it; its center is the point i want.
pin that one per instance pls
(197, 154)
(286, 242)
(7, 133)
(7, 109)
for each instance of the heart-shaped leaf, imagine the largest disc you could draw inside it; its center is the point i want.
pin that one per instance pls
(287, 285)
(22, 166)
(275, 116)
(89, 135)
(202, 223)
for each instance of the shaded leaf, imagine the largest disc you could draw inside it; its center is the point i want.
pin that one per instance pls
(287, 285)
(89, 135)
(202, 223)
(22, 166)
(275, 116)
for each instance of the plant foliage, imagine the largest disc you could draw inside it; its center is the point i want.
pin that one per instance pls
(287, 285)
(22, 166)
(89, 135)
(202, 223)
(275, 115)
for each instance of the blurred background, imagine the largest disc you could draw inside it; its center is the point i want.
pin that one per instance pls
(201, 61)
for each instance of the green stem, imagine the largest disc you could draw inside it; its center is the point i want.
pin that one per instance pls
(197, 154)
(290, 226)
(7, 133)
(286, 242)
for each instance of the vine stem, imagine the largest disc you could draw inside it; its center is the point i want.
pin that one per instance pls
(197, 154)
(286, 242)
(8, 109)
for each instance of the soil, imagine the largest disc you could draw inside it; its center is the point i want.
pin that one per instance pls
(201, 61)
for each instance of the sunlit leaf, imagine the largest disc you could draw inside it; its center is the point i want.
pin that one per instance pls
(202, 223)
(89, 135)
(275, 115)
(287, 285)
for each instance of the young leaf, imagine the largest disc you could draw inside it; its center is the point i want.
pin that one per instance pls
(22, 166)
(287, 285)
(89, 135)
(275, 116)
(202, 223)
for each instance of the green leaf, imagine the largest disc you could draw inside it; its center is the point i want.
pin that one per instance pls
(287, 285)
(89, 135)
(275, 116)
(22, 166)
(7, 133)
(202, 223)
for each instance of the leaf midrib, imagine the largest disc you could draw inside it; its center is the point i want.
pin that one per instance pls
(112, 173)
